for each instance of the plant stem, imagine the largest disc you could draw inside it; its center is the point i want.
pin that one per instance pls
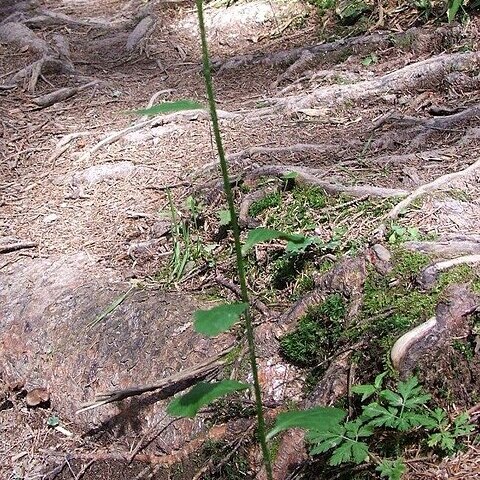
(236, 236)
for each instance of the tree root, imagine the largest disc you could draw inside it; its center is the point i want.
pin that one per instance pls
(187, 115)
(426, 188)
(449, 321)
(61, 94)
(429, 276)
(310, 176)
(425, 74)
(51, 61)
(446, 248)
(362, 44)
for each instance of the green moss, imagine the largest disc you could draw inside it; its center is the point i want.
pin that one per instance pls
(314, 197)
(407, 265)
(270, 201)
(458, 274)
(317, 333)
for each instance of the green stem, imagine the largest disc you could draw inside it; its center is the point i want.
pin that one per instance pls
(236, 236)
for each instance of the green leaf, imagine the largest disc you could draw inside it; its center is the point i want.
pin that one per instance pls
(290, 175)
(356, 452)
(453, 7)
(200, 395)
(380, 416)
(218, 319)
(259, 235)
(325, 441)
(53, 421)
(169, 107)
(321, 419)
(392, 398)
(224, 216)
(379, 380)
(301, 246)
(462, 425)
(393, 469)
(365, 390)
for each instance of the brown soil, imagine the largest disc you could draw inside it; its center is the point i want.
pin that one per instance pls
(114, 220)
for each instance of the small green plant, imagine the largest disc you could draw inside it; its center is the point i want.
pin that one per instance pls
(453, 8)
(371, 59)
(399, 234)
(389, 413)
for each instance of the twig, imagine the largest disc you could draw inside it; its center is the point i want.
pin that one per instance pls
(258, 304)
(167, 386)
(12, 247)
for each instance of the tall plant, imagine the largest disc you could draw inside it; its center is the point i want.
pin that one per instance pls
(219, 319)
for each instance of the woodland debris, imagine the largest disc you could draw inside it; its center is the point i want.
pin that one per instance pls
(14, 246)
(445, 248)
(429, 188)
(60, 95)
(20, 36)
(37, 397)
(142, 30)
(424, 74)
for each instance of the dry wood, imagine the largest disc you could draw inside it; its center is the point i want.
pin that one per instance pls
(165, 387)
(12, 247)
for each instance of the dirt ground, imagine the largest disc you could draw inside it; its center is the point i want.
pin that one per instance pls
(83, 183)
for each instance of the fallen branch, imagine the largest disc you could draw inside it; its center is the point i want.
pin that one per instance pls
(165, 387)
(12, 247)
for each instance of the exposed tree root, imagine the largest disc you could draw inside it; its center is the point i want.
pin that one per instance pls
(312, 177)
(19, 35)
(428, 188)
(361, 44)
(187, 115)
(244, 219)
(422, 128)
(449, 321)
(446, 248)
(59, 95)
(428, 277)
(428, 73)
(333, 386)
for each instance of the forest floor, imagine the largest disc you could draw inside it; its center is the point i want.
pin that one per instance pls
(370, 143)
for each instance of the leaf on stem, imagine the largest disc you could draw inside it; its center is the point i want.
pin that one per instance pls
(321, 419)
(259, 235)
(200, 395)
(169, 107)
(218, 319)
